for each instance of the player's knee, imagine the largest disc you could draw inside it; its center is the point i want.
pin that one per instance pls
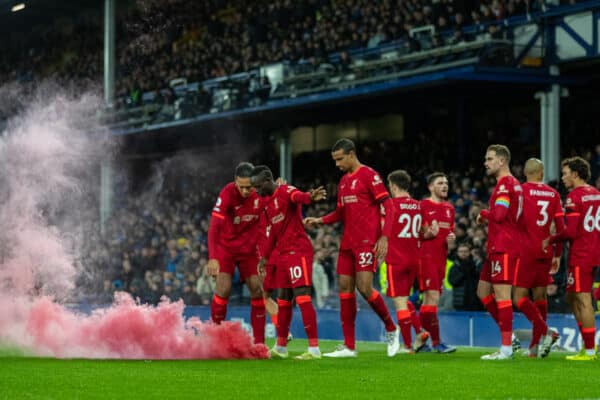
(223, 288)
(365, 290)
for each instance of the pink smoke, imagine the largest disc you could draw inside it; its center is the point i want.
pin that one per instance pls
(130, 330)
(49, 160)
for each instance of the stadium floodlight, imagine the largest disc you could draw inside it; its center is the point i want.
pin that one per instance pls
(18, 7)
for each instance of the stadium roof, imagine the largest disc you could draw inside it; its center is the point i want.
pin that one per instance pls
(40, 11)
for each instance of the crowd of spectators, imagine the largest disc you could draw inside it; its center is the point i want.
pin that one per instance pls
(158, 41)
(156, 242)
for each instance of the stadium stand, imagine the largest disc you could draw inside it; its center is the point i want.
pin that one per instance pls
(178, 59)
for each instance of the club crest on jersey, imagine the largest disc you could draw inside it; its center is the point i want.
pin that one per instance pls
(448, 213)
(255, 203)
(276, 203)
(353, 186)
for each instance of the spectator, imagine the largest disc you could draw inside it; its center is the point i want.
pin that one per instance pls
(464, 276)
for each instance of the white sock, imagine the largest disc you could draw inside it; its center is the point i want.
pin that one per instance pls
(590, 352)
(314, 350)
(506, 350)
(281, 349)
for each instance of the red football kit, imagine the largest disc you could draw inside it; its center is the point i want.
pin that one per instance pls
(434, 251)
(582, 230)
(233, 231)
(403, 246)
(360, 197)
(504, 232)
(541, 207)
(286, 236)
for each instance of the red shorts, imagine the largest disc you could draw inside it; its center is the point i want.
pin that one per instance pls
(499, 268)
(400, 279)
(246, 263)
(533, 272)
(431, 273)
(293, 270)
(580, 279)
(269, 281)
(360, 259)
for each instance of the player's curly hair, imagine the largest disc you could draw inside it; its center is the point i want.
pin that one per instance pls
(579, 165)
(262, 170)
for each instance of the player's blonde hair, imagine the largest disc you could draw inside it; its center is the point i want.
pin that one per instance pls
(501, 151)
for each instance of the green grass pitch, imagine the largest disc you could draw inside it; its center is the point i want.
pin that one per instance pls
(370, 376)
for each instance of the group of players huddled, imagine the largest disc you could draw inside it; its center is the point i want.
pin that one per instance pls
(257, 226)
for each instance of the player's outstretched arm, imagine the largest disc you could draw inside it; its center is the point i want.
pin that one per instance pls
(318, 194)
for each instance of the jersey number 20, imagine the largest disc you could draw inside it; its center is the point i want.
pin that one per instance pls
(410, 226)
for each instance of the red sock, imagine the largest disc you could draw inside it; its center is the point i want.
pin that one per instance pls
(414, 318)
(257, 319)
(489, 302)
(284, 319)
(309, 317)
(579, 325)
(430, 322)
(348, 317)
(525, 305)
(274, 319)
(218, 309)
(403, 317)
(542, 306)
(505, 320)
(378, 305)
(588, 337)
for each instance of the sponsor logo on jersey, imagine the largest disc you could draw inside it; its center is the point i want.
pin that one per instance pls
(376, 180)
(278, 218)
(445, 225)
(349, 199)
(249, 217)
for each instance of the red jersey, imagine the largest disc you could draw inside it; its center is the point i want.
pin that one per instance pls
(506, 207)
(583, 226)
(358, 207)
(541, 206)
(443, 213)
(403, 244)
(285, 230)
(234, 222)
